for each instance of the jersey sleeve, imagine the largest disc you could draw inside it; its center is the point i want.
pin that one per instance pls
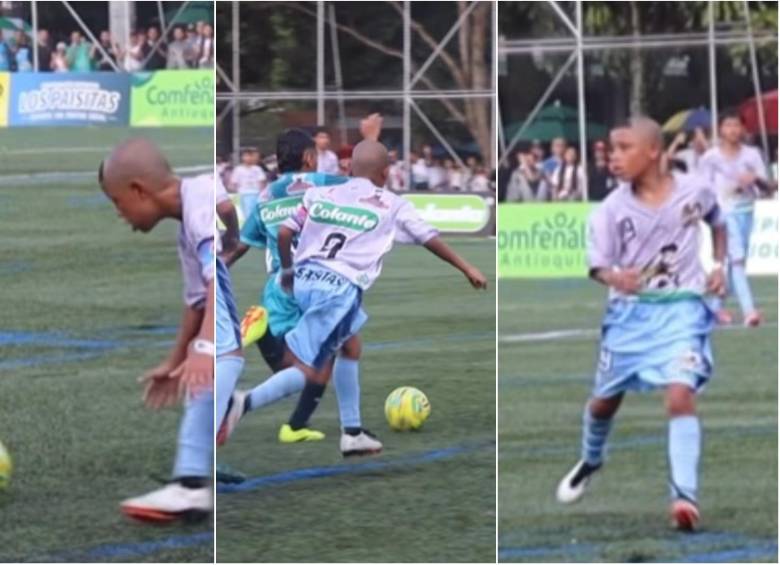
(757, 165)
(410, 227)
(297, 219)
(601, 248)
(253, 231)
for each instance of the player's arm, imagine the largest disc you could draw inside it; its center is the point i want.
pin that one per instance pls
(444, 252)
(227, 213)
(287, 232)
(253, 234)
(196, 373)
(601, 256)
(716, 281)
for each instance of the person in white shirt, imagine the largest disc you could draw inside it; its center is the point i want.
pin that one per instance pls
(692, 155)
(568, 181)
(327, 161)
(420, 172)
(396, 176)
(248, 179)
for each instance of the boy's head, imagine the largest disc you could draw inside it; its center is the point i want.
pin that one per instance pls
(370, 161)
(295, 152)
(558, 147)
(731, 128)
(248, 156)
(322, 139)
(636, 147)
(134, 176)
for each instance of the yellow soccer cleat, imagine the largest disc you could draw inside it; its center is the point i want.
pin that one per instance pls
(254, 325)
(289, 435)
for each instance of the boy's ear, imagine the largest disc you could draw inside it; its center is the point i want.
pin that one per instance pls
(138, 188)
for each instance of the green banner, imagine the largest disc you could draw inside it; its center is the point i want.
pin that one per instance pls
(172, 98)
(542, 240)
(461, 213)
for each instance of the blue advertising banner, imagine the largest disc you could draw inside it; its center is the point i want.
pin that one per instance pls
(69, 99)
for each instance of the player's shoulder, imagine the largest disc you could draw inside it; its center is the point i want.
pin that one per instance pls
(751, 152)
(614, 200)
(692, 184)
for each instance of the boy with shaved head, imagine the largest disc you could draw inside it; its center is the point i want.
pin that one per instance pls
(139, 181)
(644, 245)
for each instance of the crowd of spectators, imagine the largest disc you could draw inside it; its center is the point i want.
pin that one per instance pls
(185, 47)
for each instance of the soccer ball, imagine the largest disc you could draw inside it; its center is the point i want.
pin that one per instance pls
(407, 408)
(6, 466)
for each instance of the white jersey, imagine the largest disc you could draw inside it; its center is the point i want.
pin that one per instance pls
(349, 228)
(724, 172)
(248, 179)
(196, 237)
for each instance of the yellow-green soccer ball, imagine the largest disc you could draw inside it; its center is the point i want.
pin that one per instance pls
(6, 466)
(407, 409)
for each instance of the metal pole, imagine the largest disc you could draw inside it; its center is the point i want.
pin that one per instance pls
(161, 15)
(581, 100)
(320, 62)
(334, 43)
(164, 31)
(757, 85)
(713, 73)
(236, 38)
(494, 82)
(36, 62)
(437, 134)
(407, 109)
(89, 34)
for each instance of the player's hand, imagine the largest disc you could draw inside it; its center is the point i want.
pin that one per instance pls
(195, 374)
(160, 389)
(746, 180)
(716, 282)
(476, 278)
(627, 281)
(371, 126)
(680, 138)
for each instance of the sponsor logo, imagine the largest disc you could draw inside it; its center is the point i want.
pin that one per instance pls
(76, 96)
(452, 213)
(277, 211)
(358, 219)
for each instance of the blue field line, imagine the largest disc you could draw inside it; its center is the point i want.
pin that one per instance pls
(427, 341)
(130, 550)
(642, 441)
(748, 554)
(53, 339)
(337, 470)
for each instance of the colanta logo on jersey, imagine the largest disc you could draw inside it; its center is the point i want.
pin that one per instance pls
(277, 211)
(358, 219)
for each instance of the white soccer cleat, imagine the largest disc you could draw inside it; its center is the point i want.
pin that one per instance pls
(685, 515)
(365, 443)
(234, 413)
(169, 503)
(573, 485)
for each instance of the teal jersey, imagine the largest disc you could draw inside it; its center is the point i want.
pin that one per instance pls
(278, 202)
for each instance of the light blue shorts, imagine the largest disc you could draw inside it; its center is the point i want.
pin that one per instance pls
(282, 308)
(651, 345)
(331, 314)
(739, 226)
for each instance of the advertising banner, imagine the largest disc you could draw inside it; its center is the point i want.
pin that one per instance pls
(5, 93)
(548, 240)
(545, 240)
(172, 98)
(454, 213)
(69, 99)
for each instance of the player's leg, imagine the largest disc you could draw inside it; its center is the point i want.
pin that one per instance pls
(355, 440)
(229, 368)
(596, 425)
(739, 225)
(684, 451)
(188, 496)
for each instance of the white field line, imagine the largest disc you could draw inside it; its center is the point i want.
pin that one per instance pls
(79, 149)
(76, 176)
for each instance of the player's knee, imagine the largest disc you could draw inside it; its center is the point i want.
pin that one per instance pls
(352, 348)
(604, 408)
(680, 401)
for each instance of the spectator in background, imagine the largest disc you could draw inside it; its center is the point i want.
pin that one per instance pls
(396, 177)
(419, 172)
(437, 176)
(6, 56)
(538, 150)
(555, 160)
(206, 54)
(22, 53)
(327, 162)
(690, 157)
(177, 50)
(78, 54)
(248, 179)
(526, 184)
(193, 46)
(480, 182)
(600, 179)
(59, 59)
(568, 181)
(102, 60)
(43, 46)
(154, 52)
(345, 160)
(454, 175)
(133, 57)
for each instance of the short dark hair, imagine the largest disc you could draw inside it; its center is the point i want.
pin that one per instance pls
(729, 114)
(320, 129)
(290, 147)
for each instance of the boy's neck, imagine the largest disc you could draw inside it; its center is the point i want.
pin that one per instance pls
(730, 148)
(652, 187)
(171, 199)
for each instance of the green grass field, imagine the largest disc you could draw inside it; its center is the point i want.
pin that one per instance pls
(87, 306)
(544, 381)
(430, 496)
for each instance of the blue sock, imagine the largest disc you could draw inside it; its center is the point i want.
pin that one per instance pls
(196, 438)
(741, 286)
(229, 369)
(594, 437)
(347, 384)
(277, 386)
(684, 449)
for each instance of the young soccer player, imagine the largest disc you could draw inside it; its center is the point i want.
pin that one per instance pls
(249, 179)
(644, 246)
(141, 184)
(739, 175)
(343, 235)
